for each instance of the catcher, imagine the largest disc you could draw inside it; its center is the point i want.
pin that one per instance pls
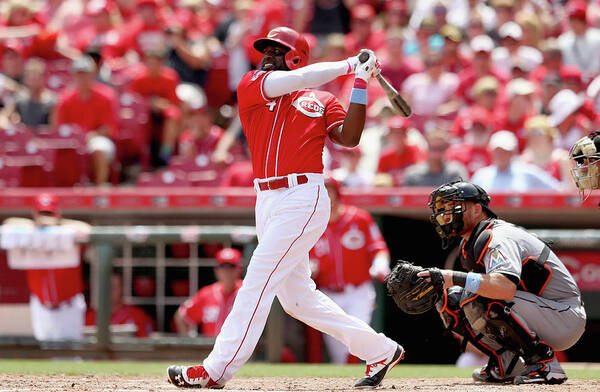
(517, 304)
(585, 154)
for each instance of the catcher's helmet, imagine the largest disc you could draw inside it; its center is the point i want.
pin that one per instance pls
(450, 223)
(585, 154)
(297, 55)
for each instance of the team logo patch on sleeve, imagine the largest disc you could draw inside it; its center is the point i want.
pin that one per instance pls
(495, 259)
(256, 75)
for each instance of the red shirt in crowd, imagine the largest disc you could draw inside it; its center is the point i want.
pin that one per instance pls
(162, 85)
(142, 37)
(91, 113)
(126, 314)
(346, 249)
(393, 162)
(473, 158)
(209, 307)
(518, 127)
(286, 134)
(205, 145)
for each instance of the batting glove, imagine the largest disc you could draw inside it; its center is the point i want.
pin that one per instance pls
(365, 70)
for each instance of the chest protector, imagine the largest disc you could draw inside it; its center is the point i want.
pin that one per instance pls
(535, 273)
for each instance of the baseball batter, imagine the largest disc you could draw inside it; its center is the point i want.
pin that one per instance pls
(345, 259)
(286, 123)
(518, 303)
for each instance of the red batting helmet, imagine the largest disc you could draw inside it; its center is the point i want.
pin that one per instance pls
(297, 55)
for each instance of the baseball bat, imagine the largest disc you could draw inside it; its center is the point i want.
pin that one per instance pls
(395, 98)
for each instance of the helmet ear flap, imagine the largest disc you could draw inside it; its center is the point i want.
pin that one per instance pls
(293, 59)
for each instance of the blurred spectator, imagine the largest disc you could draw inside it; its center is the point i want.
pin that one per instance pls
(541, 151)
(572, 80)
(334, 49)
(145, 32)
(473, 152)
(533, 30)
(209, 307)
(454, 61)
(508, 174)
(436, 169)
(322, 18)
(428, 92)
(12, 60)
(505, 11)
(482, 47)
(362, 34)
(36, 104)
(395, 64)
(398, 155)
(551, 62)
(551, 85)
(157, 83)
(53, 263)
(349, 173)
(350, 253)
(395, 15)
(92, 106)
(485, 93)
(512, 52)
(563, 114)
(190, 59)
(121, 313)
(199, 135)
(581, 44)
(519, 108)
(101, 33)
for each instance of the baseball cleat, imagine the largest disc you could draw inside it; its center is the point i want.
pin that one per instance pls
(377, 371)
(512, 364)
(191, 377)
(542, 373)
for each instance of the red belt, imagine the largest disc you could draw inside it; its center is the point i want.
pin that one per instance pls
(280, 183)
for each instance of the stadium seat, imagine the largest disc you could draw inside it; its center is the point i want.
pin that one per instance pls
(165, 177)
(70, 155)
(14, 140)
(200, 171)
(133, 135)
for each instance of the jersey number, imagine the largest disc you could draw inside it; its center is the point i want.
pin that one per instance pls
(271, 105)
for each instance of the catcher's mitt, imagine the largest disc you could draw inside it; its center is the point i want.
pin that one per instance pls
(413, 294)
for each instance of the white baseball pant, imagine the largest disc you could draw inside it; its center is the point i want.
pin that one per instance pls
(357, 301)
(63, 323)
(289, 222)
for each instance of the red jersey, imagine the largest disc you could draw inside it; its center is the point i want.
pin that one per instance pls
(53, 286)
(162, 85)
(346, 249)
(209, 307)
(98, 110)
(393, 163)
(471, 157)
(126, 314)
(286, 134)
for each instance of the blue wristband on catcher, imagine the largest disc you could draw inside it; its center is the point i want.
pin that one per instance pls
(473, 281)
(359, 95)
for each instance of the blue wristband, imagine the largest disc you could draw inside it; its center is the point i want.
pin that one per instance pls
(359, 95)
(473, 281)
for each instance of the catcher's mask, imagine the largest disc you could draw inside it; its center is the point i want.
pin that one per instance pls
(449, 223)
(585, 154)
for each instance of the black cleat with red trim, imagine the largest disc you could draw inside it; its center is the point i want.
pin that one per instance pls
(191, 377)
(377, 371)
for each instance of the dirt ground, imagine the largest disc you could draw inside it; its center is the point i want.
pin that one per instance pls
(14, 383)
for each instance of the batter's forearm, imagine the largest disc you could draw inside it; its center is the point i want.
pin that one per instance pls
(279, 83)
(348, 135)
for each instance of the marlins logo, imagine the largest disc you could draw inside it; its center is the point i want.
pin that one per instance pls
(495, 259)
(309, 105)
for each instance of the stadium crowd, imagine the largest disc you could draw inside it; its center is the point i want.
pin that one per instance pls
(143, 91)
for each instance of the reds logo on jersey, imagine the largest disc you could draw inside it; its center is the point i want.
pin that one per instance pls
(354, 238)
(309, 106)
